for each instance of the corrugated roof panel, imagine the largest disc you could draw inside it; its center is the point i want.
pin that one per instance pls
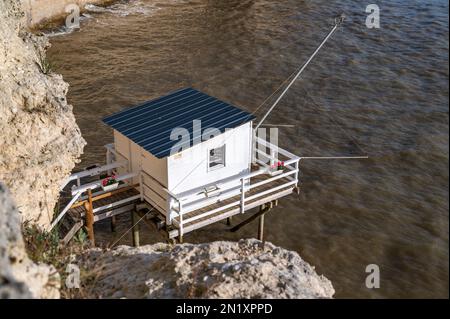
(150, 124)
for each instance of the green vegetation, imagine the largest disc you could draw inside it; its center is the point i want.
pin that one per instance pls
(45, 247)
(45, 65)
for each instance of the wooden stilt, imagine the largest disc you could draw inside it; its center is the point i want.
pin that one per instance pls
(229, 221)
(90, 218)
(261, 228)
(113, 224)
(135, 228)
(180, 239)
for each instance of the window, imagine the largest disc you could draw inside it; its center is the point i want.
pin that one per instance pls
(216, 158)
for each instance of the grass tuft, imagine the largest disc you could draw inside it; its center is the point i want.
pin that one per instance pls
(45, 247)
(45, 65)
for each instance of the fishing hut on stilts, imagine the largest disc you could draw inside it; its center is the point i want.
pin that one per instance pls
(181, 162)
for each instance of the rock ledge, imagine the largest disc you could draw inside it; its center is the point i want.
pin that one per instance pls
(244, 269)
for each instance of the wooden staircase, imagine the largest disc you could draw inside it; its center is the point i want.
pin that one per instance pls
(69, 226)
(87, 211)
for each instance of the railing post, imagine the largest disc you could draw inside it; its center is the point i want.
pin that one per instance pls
(273, 145)
(296, 171)
(180, 213)
(272, 157)
(254, 141)
(297, 168)
(242, 195)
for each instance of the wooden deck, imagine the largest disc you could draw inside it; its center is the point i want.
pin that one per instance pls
(234, 209)
(124, 199)
(103, 206)
(108, 201)
(86, 203)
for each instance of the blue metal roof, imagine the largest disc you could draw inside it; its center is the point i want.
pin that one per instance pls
(149, 125)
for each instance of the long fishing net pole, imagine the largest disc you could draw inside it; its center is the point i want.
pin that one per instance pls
(339, 20)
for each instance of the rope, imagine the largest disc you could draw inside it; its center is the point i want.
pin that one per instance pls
(338, 22)
(316, 105)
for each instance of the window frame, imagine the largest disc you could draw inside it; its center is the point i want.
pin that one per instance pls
(224, 158)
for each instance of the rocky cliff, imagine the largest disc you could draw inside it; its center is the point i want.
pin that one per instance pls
(40, 141)
(246, 269)
(19, 276)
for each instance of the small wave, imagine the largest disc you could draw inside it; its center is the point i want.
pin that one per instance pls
(96, 9)
(124, 8)
(63, 30)
(59, 32)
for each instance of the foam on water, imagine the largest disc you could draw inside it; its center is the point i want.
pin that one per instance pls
(124, 8)
(63, 30)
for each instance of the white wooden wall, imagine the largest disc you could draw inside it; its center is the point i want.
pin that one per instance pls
(122, 146)
(189, 169)
(155, 170)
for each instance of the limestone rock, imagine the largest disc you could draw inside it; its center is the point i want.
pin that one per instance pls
(19, 276)
(244, 269)
(40, 140)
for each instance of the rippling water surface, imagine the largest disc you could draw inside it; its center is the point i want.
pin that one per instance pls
(381, 92)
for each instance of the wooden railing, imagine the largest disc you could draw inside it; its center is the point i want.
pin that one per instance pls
(82, 193)
(93, 172)
(179, 205)
(184, 203)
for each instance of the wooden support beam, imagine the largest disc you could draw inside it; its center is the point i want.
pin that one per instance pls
(113, 224)
(135, 227)
(250, 219)
(90, 218)
(261, 227)
(229, 220)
